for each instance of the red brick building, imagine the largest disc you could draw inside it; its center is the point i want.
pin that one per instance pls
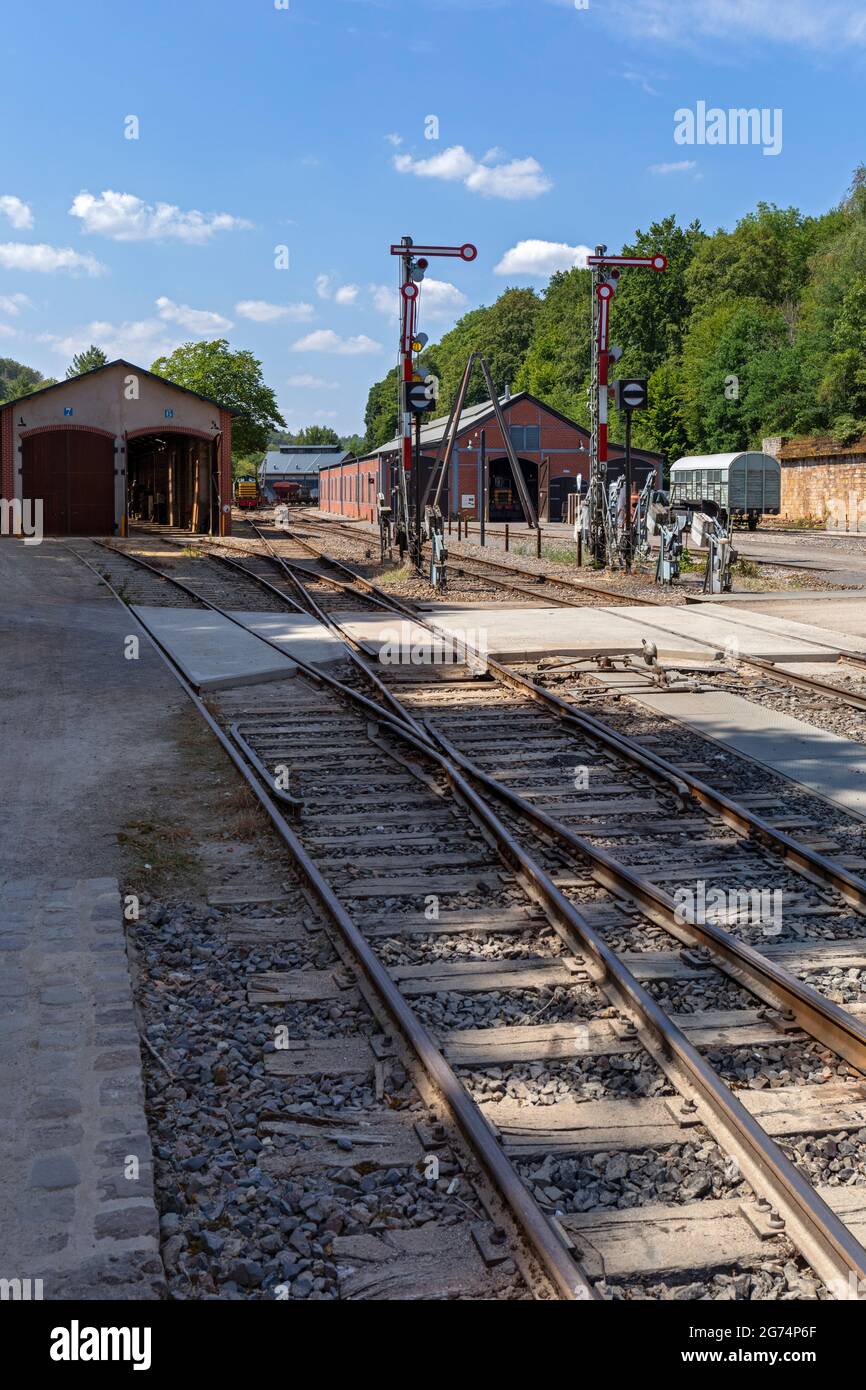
(552, 449)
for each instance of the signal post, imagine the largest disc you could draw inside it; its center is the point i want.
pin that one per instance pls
(418, 391)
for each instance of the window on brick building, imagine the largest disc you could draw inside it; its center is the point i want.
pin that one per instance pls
(525, 438)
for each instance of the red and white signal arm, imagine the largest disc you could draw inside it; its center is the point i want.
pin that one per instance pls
(467, 252)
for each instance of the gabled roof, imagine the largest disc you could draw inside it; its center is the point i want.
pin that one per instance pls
(118, 362)
(474, 416)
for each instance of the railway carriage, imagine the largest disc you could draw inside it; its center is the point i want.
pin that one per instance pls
(747, 485)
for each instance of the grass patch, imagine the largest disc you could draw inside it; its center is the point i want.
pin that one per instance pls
(193, 551)
(559, 554)
(396, 576)
(746, 569)
(158, 854)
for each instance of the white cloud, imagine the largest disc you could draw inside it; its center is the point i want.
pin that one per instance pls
(326, 340)
(304, 380)
(342, 294)
(439, 299)
(637, 77)
(6, 331)
(21, 255)
(138, 340)
(260, 311)
(512, 180)
(124, 217)
(196, 320)
(17, 212)
(681, 166)
(541, 258)
(834, 24)
(395, 140)
(14, 303)
(385, 299)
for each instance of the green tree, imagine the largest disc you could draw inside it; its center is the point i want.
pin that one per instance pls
(234, 379)
(317, 434)
(354, 444)
(734, 362)
(380, 416)
(86, 361)
(17, 380)
(651, 311)
(662, 426)
(557, 364)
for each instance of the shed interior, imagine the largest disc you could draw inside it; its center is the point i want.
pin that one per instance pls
(172, 479)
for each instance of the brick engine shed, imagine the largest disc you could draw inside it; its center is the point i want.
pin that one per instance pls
(552, 449)
(114, 444)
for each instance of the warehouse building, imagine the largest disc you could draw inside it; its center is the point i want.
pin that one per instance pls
(297, 463)
(117, 444)
(553, 452)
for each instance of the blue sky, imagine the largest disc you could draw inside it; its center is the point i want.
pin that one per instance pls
(306, 127)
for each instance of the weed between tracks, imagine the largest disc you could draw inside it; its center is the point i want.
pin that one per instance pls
(158, 853)
(397, 576)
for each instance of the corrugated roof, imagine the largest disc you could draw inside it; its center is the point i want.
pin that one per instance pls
(276, 463)
(433, 432)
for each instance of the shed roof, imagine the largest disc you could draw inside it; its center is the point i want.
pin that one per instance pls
(305, 460)
(433, 432)
(106, 366)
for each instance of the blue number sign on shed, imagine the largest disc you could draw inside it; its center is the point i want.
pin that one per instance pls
(68, 410)
(169, 414)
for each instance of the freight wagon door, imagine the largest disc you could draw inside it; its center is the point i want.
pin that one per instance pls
(73, 472)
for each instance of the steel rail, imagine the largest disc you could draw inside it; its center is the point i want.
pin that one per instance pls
(563, 1270)
(821, 1235)
(847, 697)
(541, 577)
(745, 822)
(308, 670)
(824, 1020)
(823, 1238)
(821, 1018)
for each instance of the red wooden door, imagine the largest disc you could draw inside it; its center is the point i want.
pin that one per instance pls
(72, 471)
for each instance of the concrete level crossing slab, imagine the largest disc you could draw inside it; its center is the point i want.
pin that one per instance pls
(772, 635)
(301, 636)
(215, 653)
(840, 617)
(526, 634)
(833, 767)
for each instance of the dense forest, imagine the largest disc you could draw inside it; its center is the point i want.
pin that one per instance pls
(751, 332)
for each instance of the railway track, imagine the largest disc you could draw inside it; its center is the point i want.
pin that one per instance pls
(545, 898)
(556, 589)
